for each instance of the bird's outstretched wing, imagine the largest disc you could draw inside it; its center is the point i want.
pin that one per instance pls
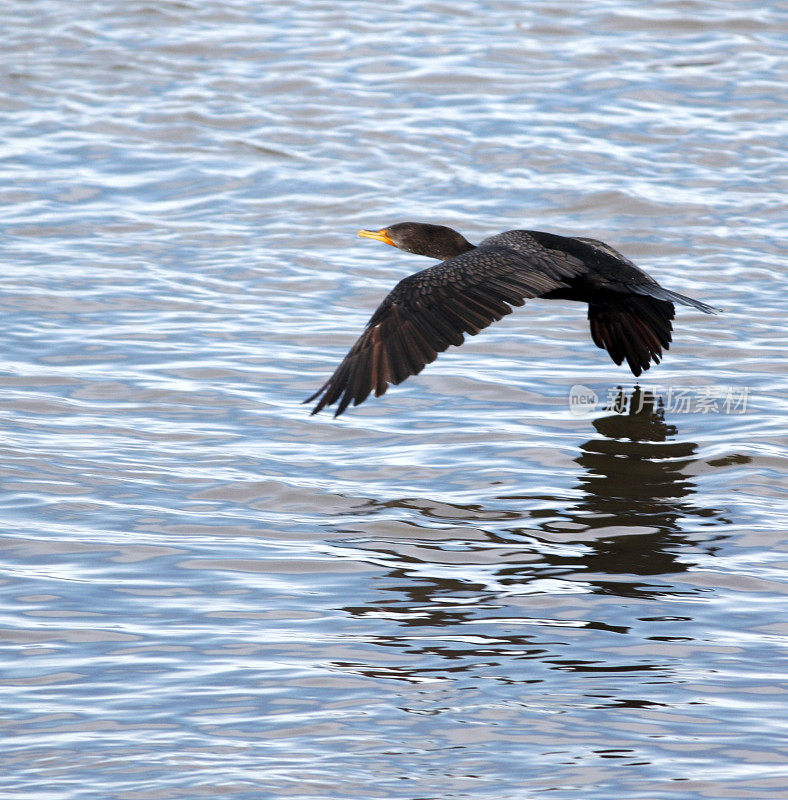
(432, 309)
(629, 313)
(635, 327)
(632, 316)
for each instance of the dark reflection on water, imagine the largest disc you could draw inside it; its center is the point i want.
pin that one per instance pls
(474, 607)
(635, 481)
(624, 526)
(634, 474)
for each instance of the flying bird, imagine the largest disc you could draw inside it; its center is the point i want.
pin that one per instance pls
(473, 286)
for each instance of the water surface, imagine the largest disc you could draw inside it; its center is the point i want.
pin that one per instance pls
(464, 589)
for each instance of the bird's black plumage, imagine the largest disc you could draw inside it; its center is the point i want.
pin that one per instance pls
(630, 314)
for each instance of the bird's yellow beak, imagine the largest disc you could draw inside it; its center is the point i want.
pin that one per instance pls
(381, 236)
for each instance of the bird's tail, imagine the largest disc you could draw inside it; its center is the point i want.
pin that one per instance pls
(636, 328)
(660, 293)
(688, 301)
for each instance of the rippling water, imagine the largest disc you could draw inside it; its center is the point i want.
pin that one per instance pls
(464, 589)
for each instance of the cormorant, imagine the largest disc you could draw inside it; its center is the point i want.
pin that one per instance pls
(629, 312)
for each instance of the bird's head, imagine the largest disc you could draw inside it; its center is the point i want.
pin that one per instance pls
(433, 241)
